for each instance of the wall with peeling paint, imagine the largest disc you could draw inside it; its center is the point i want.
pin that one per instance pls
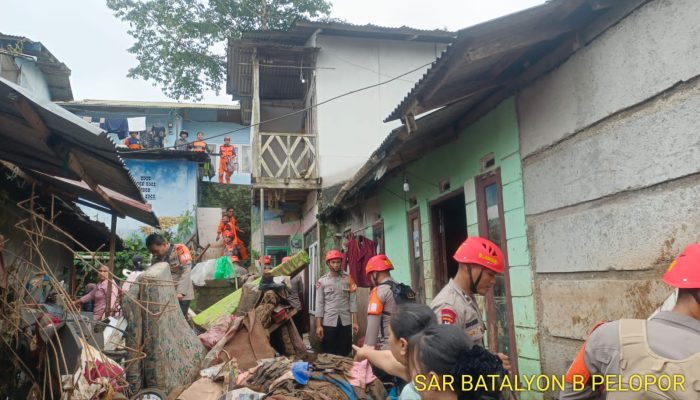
(611, 161)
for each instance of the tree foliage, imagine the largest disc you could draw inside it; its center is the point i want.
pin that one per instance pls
(179, 44)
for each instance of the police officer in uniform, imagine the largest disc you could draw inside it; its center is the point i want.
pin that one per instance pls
(336, 307)
(480, 260)
(667, 344)
(381, 304)
(180, 260)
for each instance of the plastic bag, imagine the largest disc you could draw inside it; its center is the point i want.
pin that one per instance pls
(224, 269)
(202, 272)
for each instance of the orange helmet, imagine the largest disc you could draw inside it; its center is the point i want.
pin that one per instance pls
(265, 260)
(285, 259)
(480, 251)
(234, 259)
(378, 263)
(229, 234)
(684, 271)
(333, 255)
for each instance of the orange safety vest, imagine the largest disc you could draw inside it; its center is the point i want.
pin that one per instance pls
(132, 143)
(200, 146)
(226, 151)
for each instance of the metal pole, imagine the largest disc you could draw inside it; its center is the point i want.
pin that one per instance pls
(262, 228)
(112, 248)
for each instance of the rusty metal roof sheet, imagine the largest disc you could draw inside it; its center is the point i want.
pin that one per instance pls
(44, 137)
(467, 86)
(484, 57)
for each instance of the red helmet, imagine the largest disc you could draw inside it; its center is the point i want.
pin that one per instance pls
(378, 263)
(333, 255)
(684, 271)
(229, 234)
(480, 251)
(234, 259)
(285, 259)
(265, 260)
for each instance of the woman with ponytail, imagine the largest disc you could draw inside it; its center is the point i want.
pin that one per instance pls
(443, 353)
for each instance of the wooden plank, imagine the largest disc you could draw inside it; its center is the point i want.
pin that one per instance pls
(75, 166)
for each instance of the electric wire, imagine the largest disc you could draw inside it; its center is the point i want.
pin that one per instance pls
(303, 110)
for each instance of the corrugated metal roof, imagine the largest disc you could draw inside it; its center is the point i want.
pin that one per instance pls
(57, 74)
(67, 216)
(88, 103)
(302, 29)
(466, 85)
(45, 136)
(484, 56)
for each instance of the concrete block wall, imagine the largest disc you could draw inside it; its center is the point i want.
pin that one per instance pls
(611, 173)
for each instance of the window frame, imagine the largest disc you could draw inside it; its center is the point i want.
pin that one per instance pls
(482, 182)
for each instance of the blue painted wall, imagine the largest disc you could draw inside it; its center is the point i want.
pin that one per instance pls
(33, 79)
(170, 186)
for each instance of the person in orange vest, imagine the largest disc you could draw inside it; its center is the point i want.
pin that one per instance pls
(179, 259)
(667, 345)
(133, 142)
(230, 248)
(200, 146)
(227, 157)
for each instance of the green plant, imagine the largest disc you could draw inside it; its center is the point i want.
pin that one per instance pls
(178, 42)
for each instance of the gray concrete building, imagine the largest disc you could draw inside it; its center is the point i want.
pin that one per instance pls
(610, 154)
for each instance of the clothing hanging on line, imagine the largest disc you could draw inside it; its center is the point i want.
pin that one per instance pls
(360, 250)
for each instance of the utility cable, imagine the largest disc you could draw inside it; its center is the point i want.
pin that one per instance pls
(303, 110)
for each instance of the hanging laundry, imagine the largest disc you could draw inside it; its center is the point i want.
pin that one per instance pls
(137, 124)
(116, 125)
(360, 250)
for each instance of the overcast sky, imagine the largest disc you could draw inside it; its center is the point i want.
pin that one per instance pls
(92, 42)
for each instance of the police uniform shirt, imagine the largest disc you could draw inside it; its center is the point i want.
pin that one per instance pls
(336, 297)
(382, 304)
(296, 292)
(180, 272)
(670, 335)
(453, 306)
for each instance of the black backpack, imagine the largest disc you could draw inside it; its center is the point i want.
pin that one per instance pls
(402, 292)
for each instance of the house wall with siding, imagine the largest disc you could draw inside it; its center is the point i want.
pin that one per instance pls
(497, 133)
(611, 173)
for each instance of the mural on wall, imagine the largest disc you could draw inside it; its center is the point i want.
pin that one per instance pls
(170, 187)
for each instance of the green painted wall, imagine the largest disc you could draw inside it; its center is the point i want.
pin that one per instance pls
(459, 161)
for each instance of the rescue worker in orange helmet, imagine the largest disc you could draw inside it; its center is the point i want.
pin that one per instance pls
(381, 302)
(627, 350)
(133, 142)
(480, 260)
(336, 307)
(227, 158)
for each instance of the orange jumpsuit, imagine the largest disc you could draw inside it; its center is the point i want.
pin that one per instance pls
(226, 154)
(236, 241)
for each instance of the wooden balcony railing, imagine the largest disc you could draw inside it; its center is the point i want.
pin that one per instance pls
(287, 156)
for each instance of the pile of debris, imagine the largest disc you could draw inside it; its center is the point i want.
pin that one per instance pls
(255, 350)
